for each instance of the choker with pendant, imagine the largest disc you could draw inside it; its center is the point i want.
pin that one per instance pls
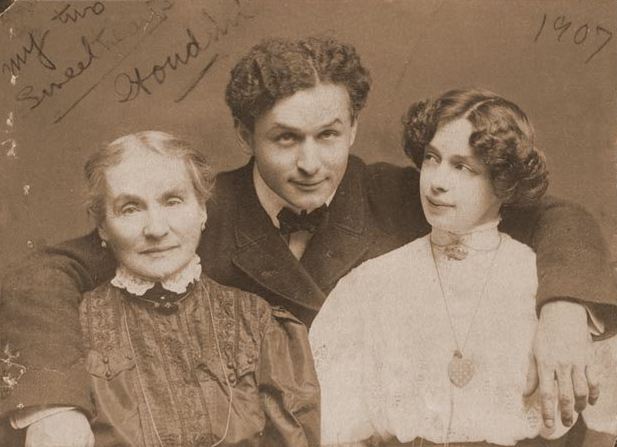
(457, 246)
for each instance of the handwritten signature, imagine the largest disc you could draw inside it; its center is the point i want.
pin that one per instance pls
(67, 15)
(35, 45)
(561, 25)
(221, 29)
(149, 24)
(113, 37)
(137, 81)
(72, 72)
(129, 85)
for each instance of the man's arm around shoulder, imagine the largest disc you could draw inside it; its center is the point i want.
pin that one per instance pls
(572, 256)
(42, 349)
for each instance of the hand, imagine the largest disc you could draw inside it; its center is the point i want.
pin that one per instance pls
(66, 429)
(562, 350)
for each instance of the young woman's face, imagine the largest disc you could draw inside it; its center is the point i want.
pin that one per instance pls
(456, 192)
(153, 218)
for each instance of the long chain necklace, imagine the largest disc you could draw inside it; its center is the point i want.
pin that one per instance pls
(143, 389)
(460, 368)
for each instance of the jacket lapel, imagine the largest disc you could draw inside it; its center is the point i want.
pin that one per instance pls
(342, 241)
(338, 245)
(262, 254)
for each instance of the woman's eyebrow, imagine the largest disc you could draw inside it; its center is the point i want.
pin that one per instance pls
(430, 147)
(126, 198)
(176, 191)
(471, 159)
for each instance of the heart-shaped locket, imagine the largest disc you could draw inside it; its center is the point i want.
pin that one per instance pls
(460, 370)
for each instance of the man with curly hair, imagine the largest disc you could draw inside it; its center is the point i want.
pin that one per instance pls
(290, 223)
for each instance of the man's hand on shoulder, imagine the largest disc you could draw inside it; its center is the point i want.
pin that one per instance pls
(65, 429)
(562, 365)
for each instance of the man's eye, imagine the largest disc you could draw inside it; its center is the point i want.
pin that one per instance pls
(287, 138)
(330, 133)
(173, 201)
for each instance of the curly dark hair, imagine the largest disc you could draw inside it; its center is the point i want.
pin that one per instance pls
(278, 68)
(502, 138)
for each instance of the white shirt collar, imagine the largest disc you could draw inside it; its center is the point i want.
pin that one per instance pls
(270, 201)
(482, 237)
(177, 283)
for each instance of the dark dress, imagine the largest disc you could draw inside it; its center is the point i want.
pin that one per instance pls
(223, 365)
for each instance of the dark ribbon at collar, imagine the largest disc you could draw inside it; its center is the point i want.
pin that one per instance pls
(290, 222)
(160, 299)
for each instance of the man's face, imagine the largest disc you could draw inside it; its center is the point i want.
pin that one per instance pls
(301, 145)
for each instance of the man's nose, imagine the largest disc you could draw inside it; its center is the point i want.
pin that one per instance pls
(309, 160)
(156, 225)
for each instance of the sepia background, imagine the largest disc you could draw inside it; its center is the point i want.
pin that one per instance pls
(77, 75)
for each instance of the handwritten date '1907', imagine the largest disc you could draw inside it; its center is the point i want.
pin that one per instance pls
(561, 25)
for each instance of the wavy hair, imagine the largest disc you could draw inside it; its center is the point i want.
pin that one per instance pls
(502, 137)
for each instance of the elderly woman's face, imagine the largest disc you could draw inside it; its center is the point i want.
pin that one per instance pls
(153, 219)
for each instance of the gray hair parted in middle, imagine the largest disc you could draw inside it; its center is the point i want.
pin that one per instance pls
(162, 143)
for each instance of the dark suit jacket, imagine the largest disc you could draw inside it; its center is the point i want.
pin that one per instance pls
(375, 209)
(242, 248)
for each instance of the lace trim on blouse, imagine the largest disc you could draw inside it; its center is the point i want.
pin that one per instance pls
(177, 283)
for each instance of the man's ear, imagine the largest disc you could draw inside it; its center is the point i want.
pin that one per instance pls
(245, 137)
(354, 130)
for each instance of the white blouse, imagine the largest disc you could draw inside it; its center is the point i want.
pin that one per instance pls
(383, 341)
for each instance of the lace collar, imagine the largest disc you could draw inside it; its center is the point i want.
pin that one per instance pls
(457, 246)
(177, 283)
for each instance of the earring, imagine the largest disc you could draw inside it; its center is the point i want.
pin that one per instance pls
(103, 244)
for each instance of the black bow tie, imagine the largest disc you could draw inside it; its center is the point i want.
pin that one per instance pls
(291, 222)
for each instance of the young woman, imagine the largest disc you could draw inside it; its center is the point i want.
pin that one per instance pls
(176, 359)
(430, 343)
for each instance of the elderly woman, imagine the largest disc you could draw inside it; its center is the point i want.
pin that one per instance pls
(176, 359)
